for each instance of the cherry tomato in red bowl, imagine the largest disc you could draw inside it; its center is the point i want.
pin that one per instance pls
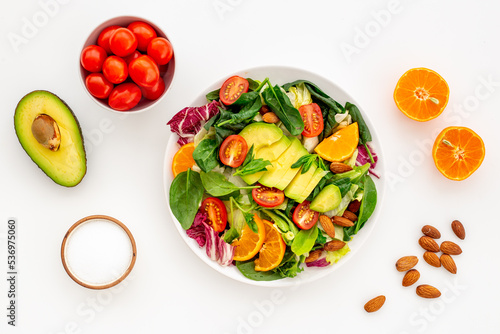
(100, 36)
(125, 96)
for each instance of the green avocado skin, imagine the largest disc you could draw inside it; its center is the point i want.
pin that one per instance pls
(68, 174)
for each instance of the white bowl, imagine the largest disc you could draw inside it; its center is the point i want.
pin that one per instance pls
(281, 75)
(168, 76)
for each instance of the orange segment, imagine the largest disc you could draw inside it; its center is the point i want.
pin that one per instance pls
(273, 250)
(249, 243)
(458, 152)
(341, 145)
(421, 94)
(183, 159)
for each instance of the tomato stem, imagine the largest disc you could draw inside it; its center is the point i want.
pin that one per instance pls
(434, 100)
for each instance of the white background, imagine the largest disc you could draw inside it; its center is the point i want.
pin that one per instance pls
(170, 289)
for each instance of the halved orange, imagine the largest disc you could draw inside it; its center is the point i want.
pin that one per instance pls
(421, 94)
(341, 145)
(273, 249)
(458, 152)
(249, 243)
(183, 159)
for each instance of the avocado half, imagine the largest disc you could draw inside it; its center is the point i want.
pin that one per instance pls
(50, 134)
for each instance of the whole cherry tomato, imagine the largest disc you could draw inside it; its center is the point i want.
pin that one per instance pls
(134, 55)
(124, 96)
(92, 58)
(152, 93)
(143, 32)
(115, 69)
(103, 39)
(98, 85)
(122, 42)
(160, 50)
(144, 71)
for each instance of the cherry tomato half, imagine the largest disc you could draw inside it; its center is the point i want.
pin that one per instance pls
(313, 120)
(152, 93)
(103, 39)
(143, 32)
(144, 71)
(124, 96)
(98, 85)
(160, 50)
(233, 151)
(122, 42)
(304, 217)
(232, 89)
(217, 213)
(268, 197)
(115, 69)
(92, 58)
(136, 54)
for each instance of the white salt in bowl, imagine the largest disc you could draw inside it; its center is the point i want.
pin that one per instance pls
(98, 252)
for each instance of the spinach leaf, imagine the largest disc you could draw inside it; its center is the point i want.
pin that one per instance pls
(252, 165)
(211, 122)
(280, 104)
(308, 160)
(247, 268)
(320, 239)
(205, 155)
(364, 133)
(231, 234)
(252, 84)
(368, 204)
(289, 206)
(213, 95)
(186, 192)
(304, 241)
(244, 116)
(217, 185)
(249, 218)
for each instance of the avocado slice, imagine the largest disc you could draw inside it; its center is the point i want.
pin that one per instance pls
(271, 153)
(51, 136)
(328, 199)
(299, 183)
(261, 134)
(280, 173)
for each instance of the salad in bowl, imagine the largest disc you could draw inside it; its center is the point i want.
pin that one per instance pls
(271, 179)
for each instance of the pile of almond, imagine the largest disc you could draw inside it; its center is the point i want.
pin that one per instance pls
(431, 247)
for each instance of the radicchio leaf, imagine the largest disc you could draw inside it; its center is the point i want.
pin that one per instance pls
(321, 262)
(217, 249)
(363, 157)
(187, 122)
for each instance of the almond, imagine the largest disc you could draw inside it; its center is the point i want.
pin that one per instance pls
(450, 248)
(341, 221)
(448, 263)
(431, 231)
(432, 259)
(339, 167)
(327, 225)
(375, 304)
(406, 263)
(313, 255)
(354, 206)
(334, 245)
(349, 215)
(411, 277)
(428, 291)
(270, 117)
(458, 228)
(428, 244)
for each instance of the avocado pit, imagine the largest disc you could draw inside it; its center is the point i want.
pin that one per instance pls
(46, 132)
